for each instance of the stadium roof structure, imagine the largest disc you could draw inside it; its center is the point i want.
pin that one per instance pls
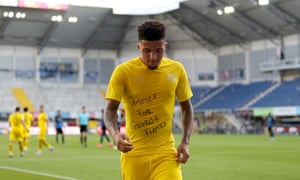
(195, 20)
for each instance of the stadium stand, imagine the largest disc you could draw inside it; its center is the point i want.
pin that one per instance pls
(201, 93)
(7, 100)
(234, 96)
(287, 94)
(67, 99)
(22, 98)
(221, 97)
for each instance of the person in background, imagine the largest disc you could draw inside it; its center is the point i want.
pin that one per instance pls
(270, 122)
(83, 120)
(17, 124)
(43, 126)
(103, 132)
(28, 118)
(59, 128)
(120, 118)
(148, 87)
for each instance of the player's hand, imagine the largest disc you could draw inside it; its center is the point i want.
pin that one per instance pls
(123, 142)
(183, 153)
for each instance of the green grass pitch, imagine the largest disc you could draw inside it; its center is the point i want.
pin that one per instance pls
(213, 157)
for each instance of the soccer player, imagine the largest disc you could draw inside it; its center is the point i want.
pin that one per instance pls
(43, 126)
(28, 118)
(270, 122)
(148, 86)
(83, 119)
(103, 132)
(59, 125)
(16, 123)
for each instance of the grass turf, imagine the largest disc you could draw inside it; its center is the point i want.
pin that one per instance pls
(213, 157)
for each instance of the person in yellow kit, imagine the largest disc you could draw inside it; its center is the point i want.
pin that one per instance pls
(17, 125)
(42, 122)
(148, 86)
(28, 118)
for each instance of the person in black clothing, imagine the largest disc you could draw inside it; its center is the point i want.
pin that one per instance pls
(103, 132)
(59, 126)
(270, 123)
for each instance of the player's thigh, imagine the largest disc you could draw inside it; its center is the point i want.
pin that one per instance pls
(12, 136)
(83, 128)
(136, 168)
(16, 135)
(20, 136)
(26, 134)
(42, 135)
(59, 131)
(166, 168)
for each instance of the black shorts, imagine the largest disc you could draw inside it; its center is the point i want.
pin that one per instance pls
(59, 131)
(83, 128)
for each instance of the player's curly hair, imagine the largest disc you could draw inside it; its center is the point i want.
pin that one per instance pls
(151, 30)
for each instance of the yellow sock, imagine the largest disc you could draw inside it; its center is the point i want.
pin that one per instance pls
(21, 146)
(10, 148)
(43, 142)
(47, 144)
(40, 145)
(25, 143)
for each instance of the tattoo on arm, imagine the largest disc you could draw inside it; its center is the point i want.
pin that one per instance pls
(187, 120)
(110, 116)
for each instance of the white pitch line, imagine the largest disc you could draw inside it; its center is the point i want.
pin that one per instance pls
(37, 173)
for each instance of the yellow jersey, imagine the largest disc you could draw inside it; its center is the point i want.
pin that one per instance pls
(15, 121)
(148, 97)
(28, 118)
(42, 121)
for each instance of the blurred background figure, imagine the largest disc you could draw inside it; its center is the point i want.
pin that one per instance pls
(103, 133)
(16, 124)
(270, 123)
(83, 120)
(28, 118)
(43, 126)
(59, 128)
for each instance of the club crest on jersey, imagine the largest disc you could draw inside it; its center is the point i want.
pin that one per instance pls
(172, 78)
(139, 79)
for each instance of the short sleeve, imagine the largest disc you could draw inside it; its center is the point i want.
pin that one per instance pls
(183, 90)
(116, 85)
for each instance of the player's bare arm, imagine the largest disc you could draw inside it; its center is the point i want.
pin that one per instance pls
(110, 118)
(110, 114)
(187, 124)
(24, 125)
